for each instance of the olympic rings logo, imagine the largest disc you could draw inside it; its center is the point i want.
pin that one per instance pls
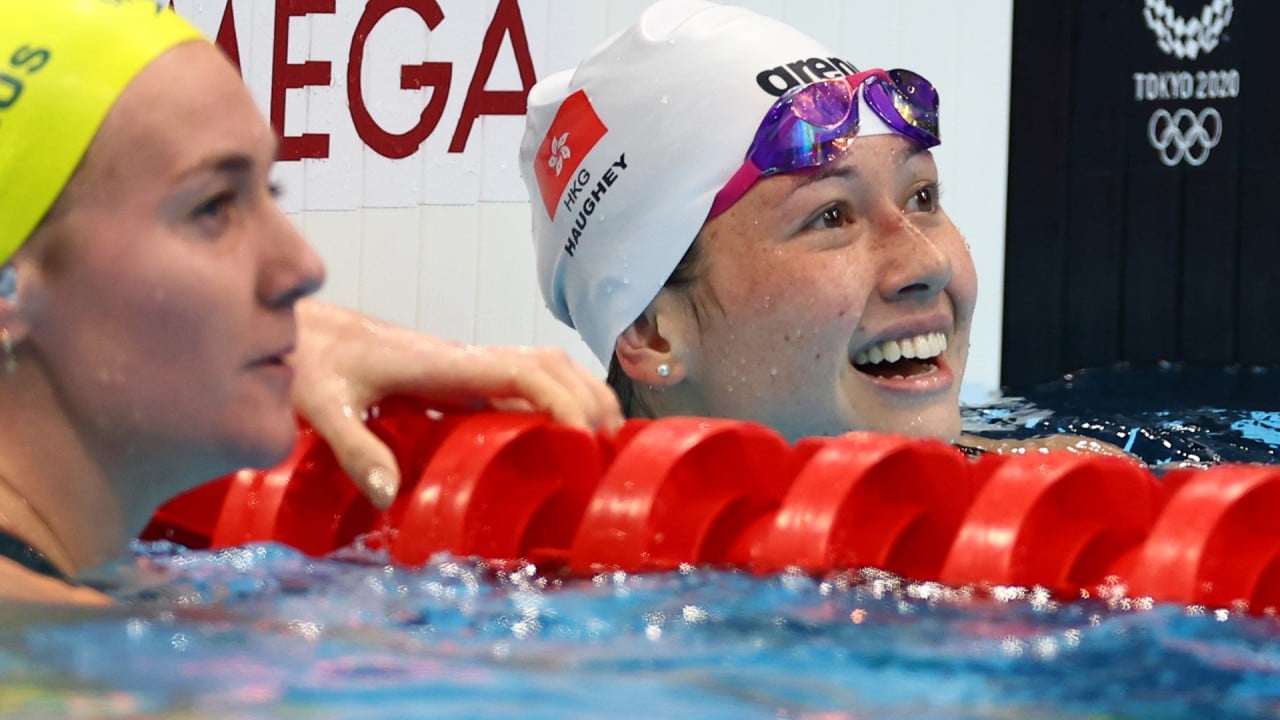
(1184, 135)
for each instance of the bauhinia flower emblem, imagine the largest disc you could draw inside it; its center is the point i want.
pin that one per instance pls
(559, 153)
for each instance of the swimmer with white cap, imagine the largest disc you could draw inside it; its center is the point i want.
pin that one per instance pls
(152, 312)
(742, 223)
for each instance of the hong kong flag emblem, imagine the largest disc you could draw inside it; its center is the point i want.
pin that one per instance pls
(574, 132)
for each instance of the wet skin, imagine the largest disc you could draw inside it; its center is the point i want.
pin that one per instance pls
(805, 275)
(159, 296)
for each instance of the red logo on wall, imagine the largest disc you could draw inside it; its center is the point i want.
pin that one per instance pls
(574, 132)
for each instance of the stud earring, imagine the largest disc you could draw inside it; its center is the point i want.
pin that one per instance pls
(6, 348)
(8, 282)
(664, 370)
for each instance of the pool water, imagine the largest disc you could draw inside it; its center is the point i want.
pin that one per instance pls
(265, 632)
(1163, 413)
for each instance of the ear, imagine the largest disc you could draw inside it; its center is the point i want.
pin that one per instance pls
(658, 339)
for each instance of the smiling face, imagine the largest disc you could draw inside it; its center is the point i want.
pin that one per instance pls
(830, 300)
(159, 294)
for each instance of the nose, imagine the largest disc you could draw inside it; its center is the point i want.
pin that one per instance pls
(290, 269)
(913, 265)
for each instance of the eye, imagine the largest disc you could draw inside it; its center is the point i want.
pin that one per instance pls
(212, 216)
(829, 218)
(214, 206)
(924, 199)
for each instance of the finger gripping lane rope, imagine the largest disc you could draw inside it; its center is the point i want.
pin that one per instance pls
(675, 491)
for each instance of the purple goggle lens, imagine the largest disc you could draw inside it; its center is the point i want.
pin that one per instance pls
(813, 124)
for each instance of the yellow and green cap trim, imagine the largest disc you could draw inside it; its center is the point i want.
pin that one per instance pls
(63, 63)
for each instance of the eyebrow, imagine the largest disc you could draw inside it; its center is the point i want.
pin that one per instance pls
(231, 163)
(824, 172)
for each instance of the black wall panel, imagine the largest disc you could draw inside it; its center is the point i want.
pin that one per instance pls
(1144, 217)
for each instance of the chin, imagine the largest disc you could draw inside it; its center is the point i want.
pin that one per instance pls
(269, 454)
(941, 423)
(261, 446)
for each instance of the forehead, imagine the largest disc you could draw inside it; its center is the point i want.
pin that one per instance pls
(867, 157)
(183, 109)
(877, 162)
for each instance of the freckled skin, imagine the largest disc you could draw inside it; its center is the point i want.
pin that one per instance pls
(790, 292)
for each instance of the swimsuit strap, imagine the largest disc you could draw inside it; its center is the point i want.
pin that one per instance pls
(21, 552)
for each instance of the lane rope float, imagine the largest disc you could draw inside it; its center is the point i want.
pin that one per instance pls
(664, 493)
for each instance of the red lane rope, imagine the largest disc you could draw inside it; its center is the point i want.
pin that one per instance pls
(667, 492)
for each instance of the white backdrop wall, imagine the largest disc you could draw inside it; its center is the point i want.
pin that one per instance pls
(439, 239)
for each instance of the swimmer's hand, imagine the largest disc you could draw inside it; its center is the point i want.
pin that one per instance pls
(345, 362)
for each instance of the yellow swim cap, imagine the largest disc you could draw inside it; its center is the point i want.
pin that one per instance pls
(63, 63)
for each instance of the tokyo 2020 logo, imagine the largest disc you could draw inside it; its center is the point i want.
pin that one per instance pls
(1181, 135)
(1186, 39)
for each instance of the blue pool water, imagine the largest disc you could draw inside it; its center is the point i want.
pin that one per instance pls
(1163, 414)
(264, 632)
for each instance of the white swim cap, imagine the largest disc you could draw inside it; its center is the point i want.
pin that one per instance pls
(624, 155)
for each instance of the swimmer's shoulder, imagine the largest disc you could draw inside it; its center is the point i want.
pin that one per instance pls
(975, 445)
(19, 584)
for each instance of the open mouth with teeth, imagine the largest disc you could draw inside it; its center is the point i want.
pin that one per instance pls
(909, 357)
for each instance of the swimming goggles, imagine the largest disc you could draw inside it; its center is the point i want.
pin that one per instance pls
(813, 124)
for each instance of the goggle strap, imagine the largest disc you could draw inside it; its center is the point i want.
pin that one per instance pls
(737, 186)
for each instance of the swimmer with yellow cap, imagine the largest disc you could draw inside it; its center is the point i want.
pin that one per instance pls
(65, 63)
(155, 318)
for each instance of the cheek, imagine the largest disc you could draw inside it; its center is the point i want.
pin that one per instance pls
(152, 322)
(793, 281)
(780, 305)
(172, 317)
(794, 315)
